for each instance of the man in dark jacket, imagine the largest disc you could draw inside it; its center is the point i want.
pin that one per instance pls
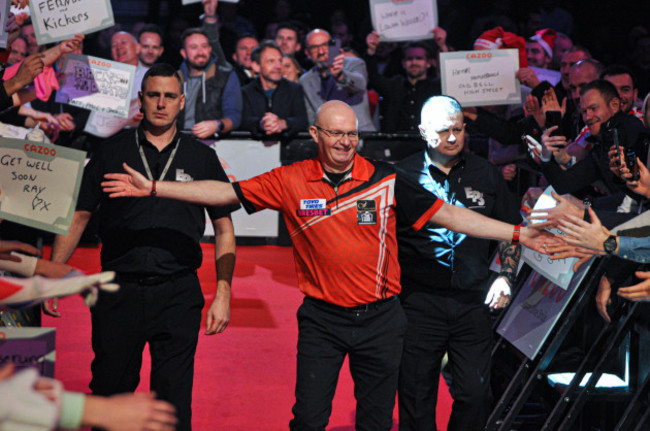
(212, 91)
(403, 96)
(273, 106)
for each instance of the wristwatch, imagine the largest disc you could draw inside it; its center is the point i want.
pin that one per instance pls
(610, 244)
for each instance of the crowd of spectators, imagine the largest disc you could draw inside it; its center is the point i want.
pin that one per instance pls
(582, 133)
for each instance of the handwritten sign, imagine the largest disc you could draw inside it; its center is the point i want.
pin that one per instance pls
(40, 183)
(4, 14)
(106, 125)
(479, 78)
(56, 20)
(404, 19)
(97, 84)
(558, 271)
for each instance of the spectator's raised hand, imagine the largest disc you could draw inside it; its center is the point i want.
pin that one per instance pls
(372, 41)
(527, 76)
(440, 38)
(550, 102)
(532, 107)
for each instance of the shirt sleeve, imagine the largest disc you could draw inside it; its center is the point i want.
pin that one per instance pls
(72, 410)
(264, 191)
(90, 193)
(232, 100)
(415, 205)
(635, 249)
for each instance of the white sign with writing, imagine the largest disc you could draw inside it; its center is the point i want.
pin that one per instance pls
(404, 19)
(558, 271)
(4, 13)
(97, 84)
(106, 125)
(40, 183)
(56, 20)
(479, 78)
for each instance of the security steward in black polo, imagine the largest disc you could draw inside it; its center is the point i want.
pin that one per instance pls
(154, 247)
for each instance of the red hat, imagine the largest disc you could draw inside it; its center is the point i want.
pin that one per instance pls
(497, 38)
(546, 38)
(490, 39)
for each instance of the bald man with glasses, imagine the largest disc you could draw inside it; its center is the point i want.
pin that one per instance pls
(341, 211)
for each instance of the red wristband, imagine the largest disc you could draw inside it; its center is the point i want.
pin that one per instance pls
(515, 234)
(153, 188)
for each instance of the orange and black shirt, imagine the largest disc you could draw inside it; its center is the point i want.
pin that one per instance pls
(345, 246)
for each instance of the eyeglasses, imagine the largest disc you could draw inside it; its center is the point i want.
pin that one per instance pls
(324, 45)
(338, 134)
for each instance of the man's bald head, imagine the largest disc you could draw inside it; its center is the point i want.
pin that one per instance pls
(581, 74)
(335, 132)
(333, 108)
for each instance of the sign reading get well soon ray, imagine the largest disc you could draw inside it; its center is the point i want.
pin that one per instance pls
(56, 20)
(40, 183)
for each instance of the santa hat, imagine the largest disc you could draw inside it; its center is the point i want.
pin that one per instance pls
(546, 38)
(497, 38)
(490, 39)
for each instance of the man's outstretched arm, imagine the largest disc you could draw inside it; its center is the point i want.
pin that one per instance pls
(133, 184)
(474, 224)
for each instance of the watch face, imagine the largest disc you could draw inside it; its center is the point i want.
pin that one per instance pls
(610, 244)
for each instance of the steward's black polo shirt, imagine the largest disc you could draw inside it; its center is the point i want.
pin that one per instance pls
(150, 235)
(435, 258)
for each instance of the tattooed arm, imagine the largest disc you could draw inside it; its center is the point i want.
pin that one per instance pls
(499, 294)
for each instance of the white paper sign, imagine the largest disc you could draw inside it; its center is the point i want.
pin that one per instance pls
(40, 183)
(97, 84)
(56, 20)
(4, 13)
(106, 125)
(479, 78)
(244, 159)
(404, 19)
(558, 271)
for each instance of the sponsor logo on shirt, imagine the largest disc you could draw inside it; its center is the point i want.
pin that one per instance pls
(313, 208)
(366, 212)
(476, 197)
(182, 176)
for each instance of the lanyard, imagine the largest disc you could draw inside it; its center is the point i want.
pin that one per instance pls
(146, 164)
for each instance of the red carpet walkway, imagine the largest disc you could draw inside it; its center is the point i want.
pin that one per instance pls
(244, 378)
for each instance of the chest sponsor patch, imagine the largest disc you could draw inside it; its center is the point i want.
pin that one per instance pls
(313, 208)
(366, 212)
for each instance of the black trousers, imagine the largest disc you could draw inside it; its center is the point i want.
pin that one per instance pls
(372, 340)
(439, 324)
(165, 315)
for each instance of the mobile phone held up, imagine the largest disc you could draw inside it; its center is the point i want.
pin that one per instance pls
(554, 118)
(334, 50)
